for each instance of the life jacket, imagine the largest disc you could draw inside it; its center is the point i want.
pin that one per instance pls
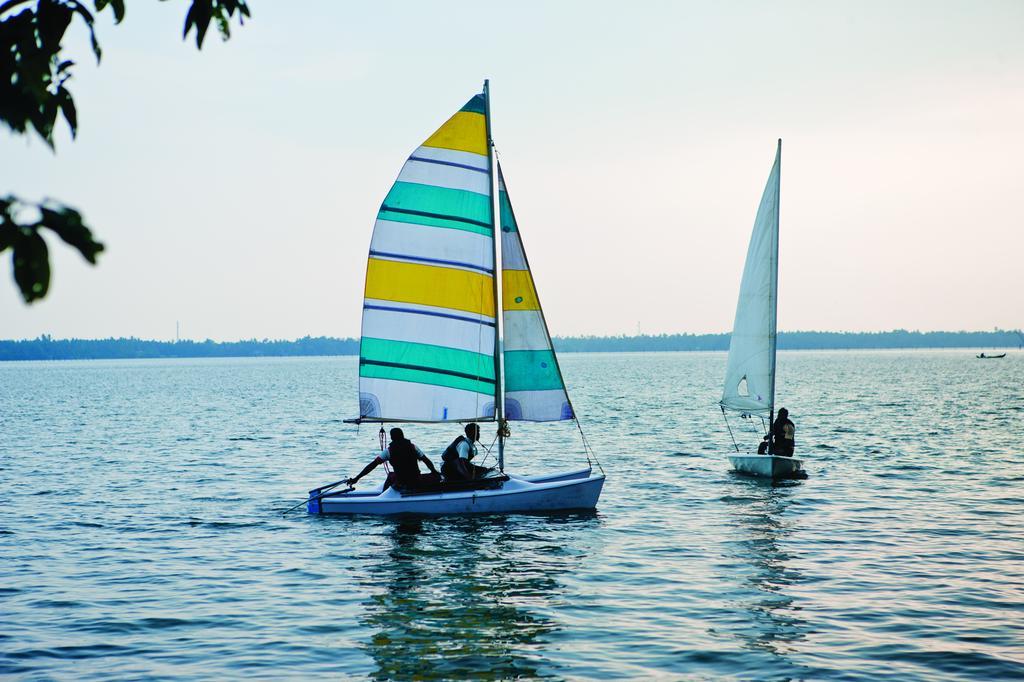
(783, 432)
(403, 458)
(451, 453)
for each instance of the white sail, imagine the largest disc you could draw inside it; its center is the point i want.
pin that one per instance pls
(750, 374)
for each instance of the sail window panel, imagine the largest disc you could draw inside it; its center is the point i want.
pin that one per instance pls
(466, 131)
(430, 285)
(432, 246)
(397, 400)
(451, 157)
(445, 175)
(518, 292)
(531, 370)
(439, 206)
(524, 330)
(393, 324)
(537, 406)
(748, 376)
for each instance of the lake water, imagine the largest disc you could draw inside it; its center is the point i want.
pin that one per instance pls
(141, 534)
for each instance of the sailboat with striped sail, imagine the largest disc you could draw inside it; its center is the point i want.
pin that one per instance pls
(750, 371)
(431, 344)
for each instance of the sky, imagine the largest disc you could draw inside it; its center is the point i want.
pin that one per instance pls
(236, 188)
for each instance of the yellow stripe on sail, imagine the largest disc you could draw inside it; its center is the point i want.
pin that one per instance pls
(388, 280)
(466, 131)
(518, 292)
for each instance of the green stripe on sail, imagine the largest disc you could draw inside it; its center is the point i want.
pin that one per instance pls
(508, 220)
(423, 377)
(531, 370)
(433, 222)
(426, 364)
(476, 105)
(412, 202)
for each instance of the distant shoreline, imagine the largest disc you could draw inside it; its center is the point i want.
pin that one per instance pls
(48, 348)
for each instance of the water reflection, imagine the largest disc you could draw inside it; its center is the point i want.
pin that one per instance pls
(759, 526)
(466, 596)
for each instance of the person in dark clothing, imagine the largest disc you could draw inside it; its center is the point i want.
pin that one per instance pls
(456, 464)
(762, 447)
(783, 434)
(403, 455)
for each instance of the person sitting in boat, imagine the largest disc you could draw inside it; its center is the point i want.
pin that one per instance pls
(457, 464)
(783, 434)
(762, 447)
(402, 454)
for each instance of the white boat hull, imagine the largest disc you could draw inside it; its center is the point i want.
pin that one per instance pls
(768, 466)
(562, 491)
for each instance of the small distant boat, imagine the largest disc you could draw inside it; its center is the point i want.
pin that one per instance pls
(982, 356)
(436, 301)
(750, 372)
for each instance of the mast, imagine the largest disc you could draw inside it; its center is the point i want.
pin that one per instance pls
(499, 411)
(774, 330)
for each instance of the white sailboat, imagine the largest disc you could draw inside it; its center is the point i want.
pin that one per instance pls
(431, 348)
(750, 371)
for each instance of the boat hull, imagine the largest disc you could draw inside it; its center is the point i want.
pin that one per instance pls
(768, 466)
(563, 491)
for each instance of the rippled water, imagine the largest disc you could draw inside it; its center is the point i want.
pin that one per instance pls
(141, 533)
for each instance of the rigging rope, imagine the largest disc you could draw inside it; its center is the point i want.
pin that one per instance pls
(488, 453)
(729, 426)
(753, 427)
(587, 450)
(381, 435)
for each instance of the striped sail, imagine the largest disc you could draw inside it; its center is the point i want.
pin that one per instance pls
(534, 390)
(427, 351)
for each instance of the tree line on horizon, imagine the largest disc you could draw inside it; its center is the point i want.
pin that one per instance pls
(46, 347)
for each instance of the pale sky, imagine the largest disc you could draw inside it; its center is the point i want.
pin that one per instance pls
(236, 188)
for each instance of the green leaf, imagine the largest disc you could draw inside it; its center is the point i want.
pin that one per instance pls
(67, 107)
(87, 17)
(30, 253)
(31, 265)
(201, 13)
(223, 25)
(96, 49)
(44, 117)
(68, 224)
(52, 20)
(198, 17)
(8, 233)
(116, 5)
